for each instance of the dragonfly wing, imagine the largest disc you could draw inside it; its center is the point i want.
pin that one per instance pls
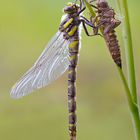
(51, 64)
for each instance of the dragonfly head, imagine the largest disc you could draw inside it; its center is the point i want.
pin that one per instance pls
(102, 3)
(71, 8)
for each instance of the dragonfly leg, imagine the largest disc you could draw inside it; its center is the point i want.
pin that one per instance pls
(82, 9)
(95, 29)
(85, 28)
(89, 23)
(93, 6)
(94, 20)
(91, 1)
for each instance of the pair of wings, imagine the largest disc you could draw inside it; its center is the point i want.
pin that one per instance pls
(51, 64)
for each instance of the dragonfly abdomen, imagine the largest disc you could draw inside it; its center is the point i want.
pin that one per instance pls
(73, 54)
(113, 46)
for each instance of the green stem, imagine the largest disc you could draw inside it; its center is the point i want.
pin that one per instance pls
(132, 106)
(129, 50)
(131, 68)
(129, 97)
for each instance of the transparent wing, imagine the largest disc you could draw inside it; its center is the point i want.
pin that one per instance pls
(51, 64)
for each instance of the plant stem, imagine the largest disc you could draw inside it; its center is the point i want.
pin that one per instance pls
(132, 106)
(129, 96)
(129, 50)
(130, 68)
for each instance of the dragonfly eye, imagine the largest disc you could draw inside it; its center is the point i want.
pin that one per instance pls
(71, 8)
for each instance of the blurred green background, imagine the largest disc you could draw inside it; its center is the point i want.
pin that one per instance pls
(25, 27)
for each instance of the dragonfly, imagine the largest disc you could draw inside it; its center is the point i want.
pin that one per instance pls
(59, 55)
(105, 19)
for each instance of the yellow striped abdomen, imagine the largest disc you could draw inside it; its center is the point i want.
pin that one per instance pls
(73, 52)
